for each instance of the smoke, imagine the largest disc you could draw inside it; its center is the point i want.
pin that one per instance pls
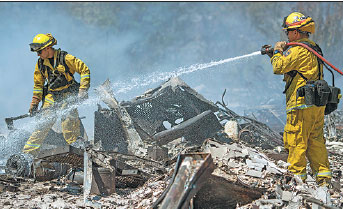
(124, 41)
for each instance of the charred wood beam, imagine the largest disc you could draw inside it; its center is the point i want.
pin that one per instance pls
(184, 128)
(191, 171)
(317, 202)
(174, 196)
(88, 174)
(135, 143)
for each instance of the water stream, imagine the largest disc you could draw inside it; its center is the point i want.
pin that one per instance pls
(8, 146)
(123, 87)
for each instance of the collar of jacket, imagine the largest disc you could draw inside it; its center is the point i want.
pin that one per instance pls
(47, 62)
(305, 40)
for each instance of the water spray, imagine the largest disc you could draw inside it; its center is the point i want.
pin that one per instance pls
(42, 116)
(122, 87)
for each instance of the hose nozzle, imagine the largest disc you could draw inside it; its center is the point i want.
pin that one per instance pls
(267, 49)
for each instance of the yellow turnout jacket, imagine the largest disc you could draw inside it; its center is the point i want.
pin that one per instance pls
(301, 60)
(74, 64)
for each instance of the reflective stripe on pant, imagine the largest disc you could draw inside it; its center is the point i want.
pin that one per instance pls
(70, 126)
(303, 137)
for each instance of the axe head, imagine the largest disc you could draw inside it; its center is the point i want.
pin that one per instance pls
(9, 123)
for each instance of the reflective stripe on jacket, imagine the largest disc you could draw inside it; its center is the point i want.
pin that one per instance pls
(301, 60)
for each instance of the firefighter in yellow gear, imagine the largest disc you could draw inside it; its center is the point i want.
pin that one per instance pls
(303, 133)
(56, 68)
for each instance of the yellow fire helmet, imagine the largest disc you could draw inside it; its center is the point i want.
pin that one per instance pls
(42, 41)
(299, 21)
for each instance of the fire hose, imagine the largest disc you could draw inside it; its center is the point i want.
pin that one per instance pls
(266, 50)
(318, 92)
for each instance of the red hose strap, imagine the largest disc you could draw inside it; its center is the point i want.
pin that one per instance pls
(314, 52)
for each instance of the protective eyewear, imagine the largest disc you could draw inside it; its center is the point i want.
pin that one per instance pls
(35, 46)
(39, 52)
(287, 31)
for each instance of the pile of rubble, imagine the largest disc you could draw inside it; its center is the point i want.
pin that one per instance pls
(333, 128)
(168, 148)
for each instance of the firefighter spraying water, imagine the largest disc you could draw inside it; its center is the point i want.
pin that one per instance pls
(124, 87)
(308, 96)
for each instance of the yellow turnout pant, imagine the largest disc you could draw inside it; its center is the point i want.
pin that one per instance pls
(303, 137)
(70, 125)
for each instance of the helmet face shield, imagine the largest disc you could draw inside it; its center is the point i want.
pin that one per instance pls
(42, 41)
(36, 47)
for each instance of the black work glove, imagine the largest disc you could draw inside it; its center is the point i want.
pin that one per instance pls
(34, 106)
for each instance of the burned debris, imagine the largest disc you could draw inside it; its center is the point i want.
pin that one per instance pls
(248, 129)
(333, 128)
(169, 148)
(190, 173)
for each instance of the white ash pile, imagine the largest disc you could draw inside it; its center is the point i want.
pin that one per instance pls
(208, 157)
